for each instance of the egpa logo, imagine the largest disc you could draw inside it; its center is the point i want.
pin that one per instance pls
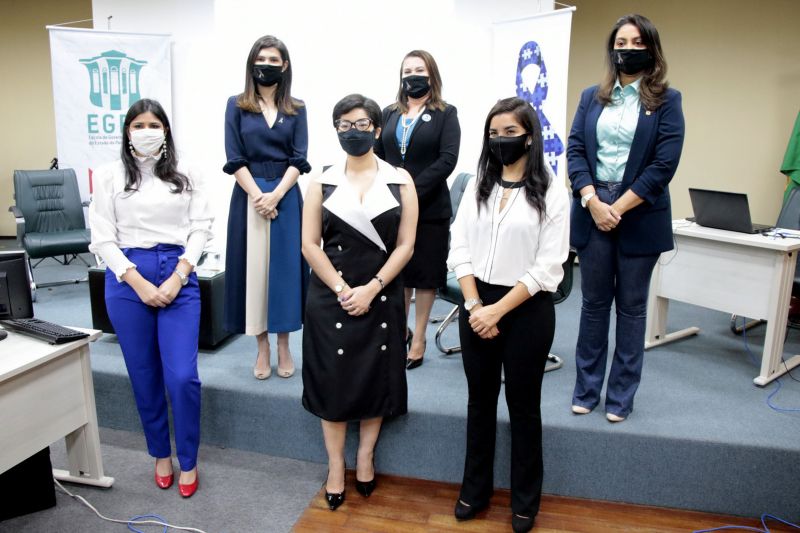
(114, 79)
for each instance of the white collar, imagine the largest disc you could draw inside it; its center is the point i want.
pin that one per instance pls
(343, 202)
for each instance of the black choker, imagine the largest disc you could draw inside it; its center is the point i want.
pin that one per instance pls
(511, 184)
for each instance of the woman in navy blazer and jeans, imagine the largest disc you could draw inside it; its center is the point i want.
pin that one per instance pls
(623, 150)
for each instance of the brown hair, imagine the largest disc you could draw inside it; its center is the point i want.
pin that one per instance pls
(435, 96)
(248, 100)
(654, 84)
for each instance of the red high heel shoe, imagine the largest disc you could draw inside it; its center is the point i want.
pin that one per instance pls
(164, 482)
(187, 490)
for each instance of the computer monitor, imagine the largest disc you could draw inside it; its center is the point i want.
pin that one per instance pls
(15, 286)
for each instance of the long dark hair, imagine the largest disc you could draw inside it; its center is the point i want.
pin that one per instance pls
(435, 100)
(654, 83)
(166, 167)
(248, 100)
(490, 169)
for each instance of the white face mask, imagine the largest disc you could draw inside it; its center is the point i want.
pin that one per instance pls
(148, 141)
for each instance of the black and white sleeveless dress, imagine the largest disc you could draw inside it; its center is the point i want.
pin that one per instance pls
(354, 367)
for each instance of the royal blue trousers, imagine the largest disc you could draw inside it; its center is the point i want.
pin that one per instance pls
(159, 346)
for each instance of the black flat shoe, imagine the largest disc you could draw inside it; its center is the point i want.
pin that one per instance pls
(522, 524)
(411, 364)
(365, 488)
(465, 512)
(334, 499)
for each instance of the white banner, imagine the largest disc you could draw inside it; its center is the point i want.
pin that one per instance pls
(531, 61)
(97, 76)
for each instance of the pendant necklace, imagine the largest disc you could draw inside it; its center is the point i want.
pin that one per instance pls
(406, 129)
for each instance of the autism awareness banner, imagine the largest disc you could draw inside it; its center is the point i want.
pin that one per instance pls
(531, 61)
(97, 76)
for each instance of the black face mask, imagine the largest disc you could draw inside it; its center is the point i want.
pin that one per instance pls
(416, 86)
(632, 61)
(267, 75)
(356, 143)
(508, 150)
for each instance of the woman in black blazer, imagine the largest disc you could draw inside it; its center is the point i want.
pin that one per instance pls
(623, 150)
(421, 134)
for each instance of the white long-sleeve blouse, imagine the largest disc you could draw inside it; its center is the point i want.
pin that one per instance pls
(503, 247)
(147, 217)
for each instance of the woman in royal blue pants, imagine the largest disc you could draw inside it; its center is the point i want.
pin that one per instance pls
(150, 220)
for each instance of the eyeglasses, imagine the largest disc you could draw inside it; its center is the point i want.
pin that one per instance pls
(361, 124)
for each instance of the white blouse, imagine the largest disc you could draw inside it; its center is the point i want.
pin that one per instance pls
(147, 217)
(503, 247)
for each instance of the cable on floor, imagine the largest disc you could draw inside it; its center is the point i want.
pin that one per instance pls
(133, 521)
(777, 381)
(764, 518)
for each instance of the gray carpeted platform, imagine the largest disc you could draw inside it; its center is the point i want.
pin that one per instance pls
(700, 437)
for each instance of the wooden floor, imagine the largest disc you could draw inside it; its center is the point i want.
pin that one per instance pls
(412, 505)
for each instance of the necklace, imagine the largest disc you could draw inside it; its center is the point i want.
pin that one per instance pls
(406, 129)
(511, 184)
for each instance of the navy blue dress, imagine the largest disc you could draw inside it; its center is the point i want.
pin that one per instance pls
(267, 152)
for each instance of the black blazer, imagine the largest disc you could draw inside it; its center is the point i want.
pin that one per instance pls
(431, 156)
(655, 152)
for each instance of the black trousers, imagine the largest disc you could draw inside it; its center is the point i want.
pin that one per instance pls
(521, 349)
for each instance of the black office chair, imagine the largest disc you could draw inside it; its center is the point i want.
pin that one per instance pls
(789, 218)
(49, 216)
(452, 290)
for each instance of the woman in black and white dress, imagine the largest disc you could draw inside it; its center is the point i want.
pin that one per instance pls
(364, 211)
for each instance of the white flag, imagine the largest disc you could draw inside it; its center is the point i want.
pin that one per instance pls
(97, 76)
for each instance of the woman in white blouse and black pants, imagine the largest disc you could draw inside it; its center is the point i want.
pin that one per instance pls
(150, 220)
(508, 243)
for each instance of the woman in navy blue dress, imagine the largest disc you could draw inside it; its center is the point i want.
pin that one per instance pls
(266, 141)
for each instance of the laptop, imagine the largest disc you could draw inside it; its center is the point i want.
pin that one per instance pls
(724, 210)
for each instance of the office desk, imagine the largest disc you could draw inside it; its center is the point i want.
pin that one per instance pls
(737, 273)
(47, 393)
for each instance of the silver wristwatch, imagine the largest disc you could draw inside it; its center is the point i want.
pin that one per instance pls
(585, 199)
(470, 303)
(183, 277)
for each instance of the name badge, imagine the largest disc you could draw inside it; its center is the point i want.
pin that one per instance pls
(426, 118)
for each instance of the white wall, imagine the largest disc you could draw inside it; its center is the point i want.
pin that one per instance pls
(336, 48)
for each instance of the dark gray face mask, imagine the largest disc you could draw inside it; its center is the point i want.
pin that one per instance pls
(416, 86)
(632, 60)
(267, 75)
(508, 150)
(356, 143)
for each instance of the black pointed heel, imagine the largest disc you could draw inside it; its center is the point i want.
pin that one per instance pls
(365, 488)
(334, 499)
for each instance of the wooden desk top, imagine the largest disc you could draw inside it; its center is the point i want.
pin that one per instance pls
(686, 228)
(19, 353)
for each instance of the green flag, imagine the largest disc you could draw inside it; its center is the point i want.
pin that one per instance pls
(791, 160)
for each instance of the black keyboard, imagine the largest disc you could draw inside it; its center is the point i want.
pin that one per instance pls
(47, 331)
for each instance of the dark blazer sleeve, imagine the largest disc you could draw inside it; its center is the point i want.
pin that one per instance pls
(234, 146)
(429, 180)
(653, 180)
(580, 173)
